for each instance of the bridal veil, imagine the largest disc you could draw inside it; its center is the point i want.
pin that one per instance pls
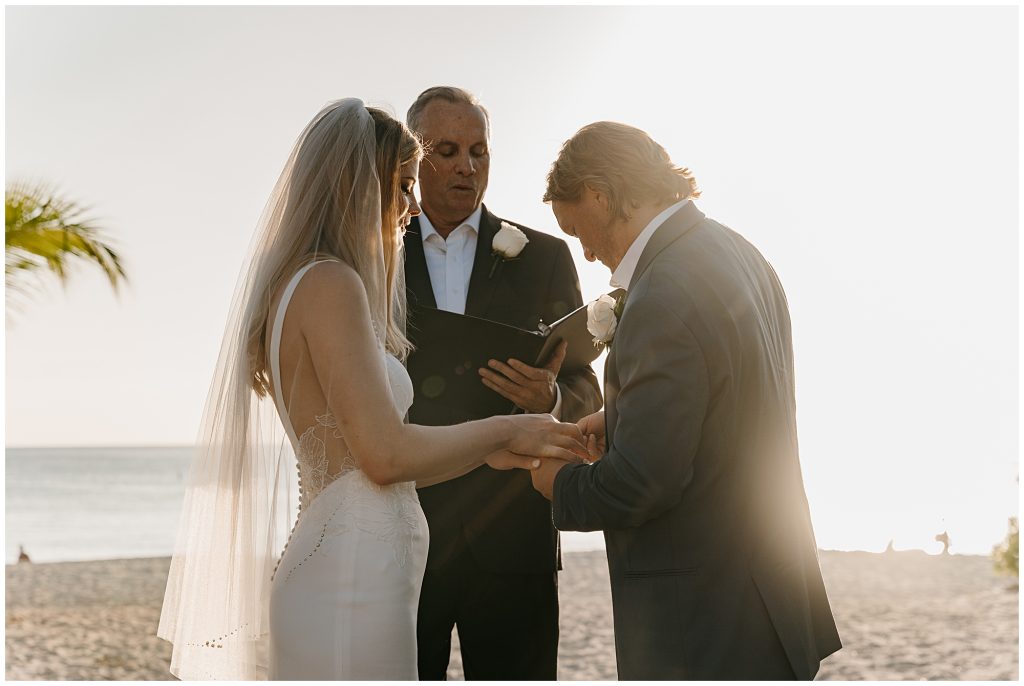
(240, 498)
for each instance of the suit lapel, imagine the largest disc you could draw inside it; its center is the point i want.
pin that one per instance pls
(674, 228)
(481, 287)
(611, 383)
(417, 278)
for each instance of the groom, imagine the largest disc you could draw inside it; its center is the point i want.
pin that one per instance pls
(491, 568)
(713, 562)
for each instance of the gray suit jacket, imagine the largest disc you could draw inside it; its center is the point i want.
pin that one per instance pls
(713, 561)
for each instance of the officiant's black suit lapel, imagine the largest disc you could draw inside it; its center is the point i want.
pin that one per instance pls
(481, 283)
(417, 278)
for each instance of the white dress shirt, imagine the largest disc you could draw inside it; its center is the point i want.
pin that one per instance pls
(450, 265)
(623, 274)
(450, 262)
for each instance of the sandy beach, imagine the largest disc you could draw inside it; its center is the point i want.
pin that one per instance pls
(902, 616)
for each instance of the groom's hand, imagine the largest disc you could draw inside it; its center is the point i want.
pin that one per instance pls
(505, 460)
(531, 388)
(544, 476)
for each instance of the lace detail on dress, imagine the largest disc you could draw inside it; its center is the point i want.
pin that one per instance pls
(390, 513)
(312, 463)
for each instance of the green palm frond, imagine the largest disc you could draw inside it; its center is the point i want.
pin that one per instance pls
(45, 233)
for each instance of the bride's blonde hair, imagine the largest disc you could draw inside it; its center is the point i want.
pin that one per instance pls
(323, 208)
(394, 141)
(337, 198)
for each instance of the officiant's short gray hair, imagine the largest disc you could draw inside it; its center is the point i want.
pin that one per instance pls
(452, 94)
(621, 161)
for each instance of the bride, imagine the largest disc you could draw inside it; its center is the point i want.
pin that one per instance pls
(317, 335)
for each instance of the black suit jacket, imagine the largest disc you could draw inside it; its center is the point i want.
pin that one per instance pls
(506, 523)
(700, 493)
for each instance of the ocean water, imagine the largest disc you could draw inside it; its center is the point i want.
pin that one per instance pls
(93, 503)
(105, 503)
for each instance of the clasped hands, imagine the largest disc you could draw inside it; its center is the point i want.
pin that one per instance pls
(544, 446)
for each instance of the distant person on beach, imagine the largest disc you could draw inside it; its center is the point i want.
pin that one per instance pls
(696, 484)
(22, 555)
(317, 333)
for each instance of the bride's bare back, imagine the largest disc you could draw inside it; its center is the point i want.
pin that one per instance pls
(321, 452)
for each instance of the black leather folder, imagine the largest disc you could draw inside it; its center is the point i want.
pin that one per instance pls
(461, 344)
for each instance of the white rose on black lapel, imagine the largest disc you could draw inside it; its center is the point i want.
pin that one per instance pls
(507, 244)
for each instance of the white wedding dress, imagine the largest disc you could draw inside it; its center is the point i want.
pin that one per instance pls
(345, 592)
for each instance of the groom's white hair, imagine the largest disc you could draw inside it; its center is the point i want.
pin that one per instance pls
(452, 94)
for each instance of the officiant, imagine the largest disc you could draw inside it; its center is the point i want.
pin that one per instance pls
(493, 560)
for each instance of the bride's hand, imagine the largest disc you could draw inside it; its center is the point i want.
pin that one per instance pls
(540, 435)
(592, 428)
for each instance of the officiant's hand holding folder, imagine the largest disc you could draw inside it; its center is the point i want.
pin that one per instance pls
(461, 344)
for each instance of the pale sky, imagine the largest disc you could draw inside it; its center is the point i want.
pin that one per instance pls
(870, 153)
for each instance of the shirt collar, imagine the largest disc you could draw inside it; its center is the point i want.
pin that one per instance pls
(472, 221)
(623, 274)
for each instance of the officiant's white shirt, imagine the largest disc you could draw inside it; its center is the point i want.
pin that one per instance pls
(450, 264)
(623, 274)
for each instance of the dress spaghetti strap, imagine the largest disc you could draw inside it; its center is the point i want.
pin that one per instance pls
(275, 347)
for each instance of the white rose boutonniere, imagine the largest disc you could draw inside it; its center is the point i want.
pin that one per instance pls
(507, 245)
(603, 318)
